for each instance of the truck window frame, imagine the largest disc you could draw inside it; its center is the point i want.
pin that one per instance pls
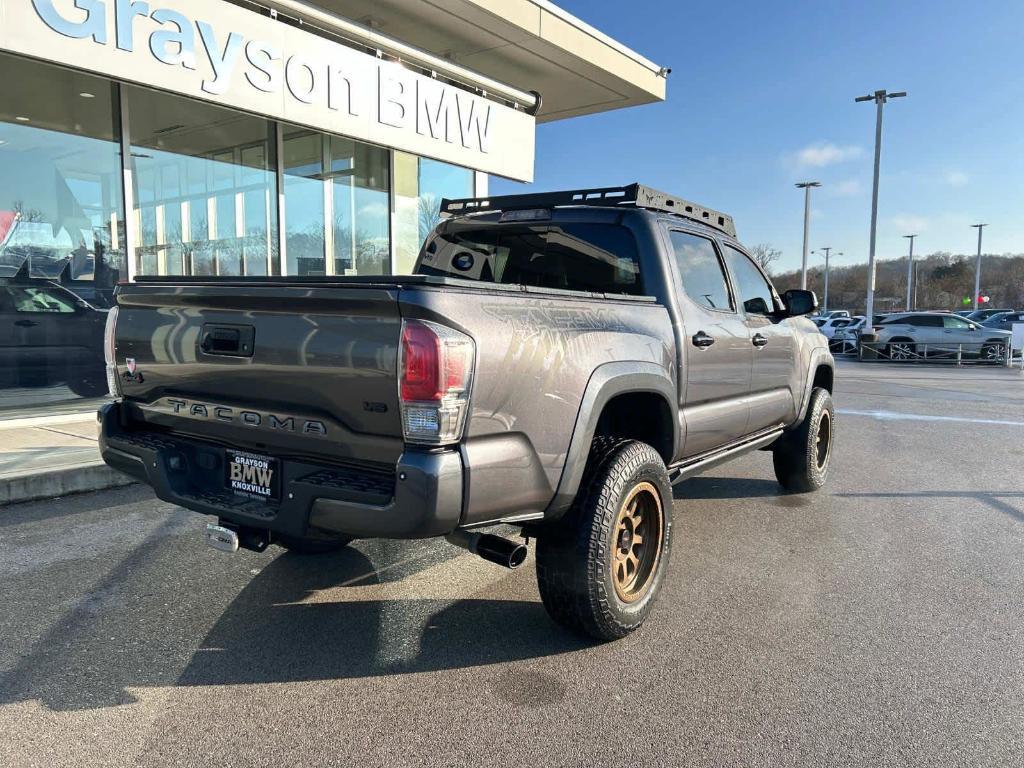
(776, 299)
(729, 287)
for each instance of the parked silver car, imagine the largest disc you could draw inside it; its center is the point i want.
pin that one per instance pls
(936, 334)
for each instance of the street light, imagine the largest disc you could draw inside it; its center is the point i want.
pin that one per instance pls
(826, 249)
(879, 97)
(977, 266)
(806, 187)
(910, 266)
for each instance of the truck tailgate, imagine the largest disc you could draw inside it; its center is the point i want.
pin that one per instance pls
(301, 369)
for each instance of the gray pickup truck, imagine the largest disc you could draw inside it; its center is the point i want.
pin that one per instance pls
(556, 363)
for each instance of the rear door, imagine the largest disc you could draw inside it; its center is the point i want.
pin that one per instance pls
(926, 331)
(772, 401)
(718, 353)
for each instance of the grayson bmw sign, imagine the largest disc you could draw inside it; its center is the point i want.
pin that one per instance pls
(220, 52)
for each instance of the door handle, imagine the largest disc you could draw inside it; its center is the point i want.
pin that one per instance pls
(26, 323)
(758, 340)
(702, 340)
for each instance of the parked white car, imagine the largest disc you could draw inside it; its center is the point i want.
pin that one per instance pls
(833, 324)
(937, 334)
(844, 339)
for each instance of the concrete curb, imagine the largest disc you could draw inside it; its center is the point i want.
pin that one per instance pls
(50, 483)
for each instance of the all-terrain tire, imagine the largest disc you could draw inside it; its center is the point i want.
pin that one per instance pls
(309, 545)
(802, 457)
(583, 559)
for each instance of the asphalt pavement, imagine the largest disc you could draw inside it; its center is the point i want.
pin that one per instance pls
(878, 622)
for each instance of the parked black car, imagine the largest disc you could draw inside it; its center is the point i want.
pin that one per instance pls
(1004, 320)
(48, 336)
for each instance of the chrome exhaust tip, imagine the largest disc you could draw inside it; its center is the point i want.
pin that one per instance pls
(493, 549)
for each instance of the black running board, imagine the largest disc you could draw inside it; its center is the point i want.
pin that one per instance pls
(696, 465)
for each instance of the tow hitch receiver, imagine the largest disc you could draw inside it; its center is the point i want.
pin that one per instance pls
(219, 537)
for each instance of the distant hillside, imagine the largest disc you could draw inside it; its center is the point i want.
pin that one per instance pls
(943, 281)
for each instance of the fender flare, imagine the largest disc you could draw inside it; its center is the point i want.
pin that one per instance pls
(820, 357)
(606, 382)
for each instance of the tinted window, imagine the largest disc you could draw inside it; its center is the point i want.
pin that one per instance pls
(924, 321)
(952, 321)
(701, 270)
(755, 292)
(578, 257)
(32, 299)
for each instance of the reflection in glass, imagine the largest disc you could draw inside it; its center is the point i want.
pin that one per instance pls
(304, 202)
(359, 175)
(204, 188)
(60, 179)
(350, 180)
(61, 231)
(420, 185)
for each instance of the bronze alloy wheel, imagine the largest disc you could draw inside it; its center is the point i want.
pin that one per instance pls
(824, 441)
(637, 536)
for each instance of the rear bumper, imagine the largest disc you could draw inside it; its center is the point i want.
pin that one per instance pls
(420, 498)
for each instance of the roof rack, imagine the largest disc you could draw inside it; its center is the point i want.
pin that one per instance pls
(632, 195)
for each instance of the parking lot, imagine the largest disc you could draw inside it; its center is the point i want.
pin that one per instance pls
(878, 622)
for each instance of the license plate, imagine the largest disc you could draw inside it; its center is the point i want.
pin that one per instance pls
(252, 475)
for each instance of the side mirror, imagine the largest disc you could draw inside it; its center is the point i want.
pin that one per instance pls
(799, 302)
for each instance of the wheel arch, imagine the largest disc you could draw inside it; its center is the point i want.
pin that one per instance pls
(635, 400)
(822, 374)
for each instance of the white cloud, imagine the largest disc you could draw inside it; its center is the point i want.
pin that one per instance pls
(824, 153)
(909, 224)
(957, 178)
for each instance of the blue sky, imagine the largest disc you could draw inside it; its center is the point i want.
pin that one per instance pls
(761, 96)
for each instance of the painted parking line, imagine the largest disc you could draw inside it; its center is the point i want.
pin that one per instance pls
(894, 416)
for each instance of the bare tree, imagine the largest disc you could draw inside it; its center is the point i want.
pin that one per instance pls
(765, 256)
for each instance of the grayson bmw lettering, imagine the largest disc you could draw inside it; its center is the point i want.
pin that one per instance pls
(251, 475)
(248, 418)
(353, 84)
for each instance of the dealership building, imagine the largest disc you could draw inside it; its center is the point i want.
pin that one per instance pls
(275, 137)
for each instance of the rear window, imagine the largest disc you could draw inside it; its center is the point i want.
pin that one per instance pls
(601, 258)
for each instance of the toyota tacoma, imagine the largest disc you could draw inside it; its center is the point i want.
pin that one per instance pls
(556, 363)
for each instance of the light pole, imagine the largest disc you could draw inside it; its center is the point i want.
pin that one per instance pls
(910, 266)
(806, 187)
(826, 249)
(879, 97)
(977, 267)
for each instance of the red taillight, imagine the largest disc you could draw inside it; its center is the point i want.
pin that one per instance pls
(436, 368)
(421, 363)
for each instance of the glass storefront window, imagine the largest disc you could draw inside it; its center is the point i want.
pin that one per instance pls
(349, 180)
(61, 230)
(205, 201)
(205, 188)
(420, 186)
(359, 176)
(60, 178)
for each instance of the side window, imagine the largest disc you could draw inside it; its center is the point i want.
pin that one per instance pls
(951, 321)
(40, 300)
(925, 321)
(701, 270)
(755, 292)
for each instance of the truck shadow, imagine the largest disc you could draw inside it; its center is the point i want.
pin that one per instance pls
(299, 619)
(266, 636)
